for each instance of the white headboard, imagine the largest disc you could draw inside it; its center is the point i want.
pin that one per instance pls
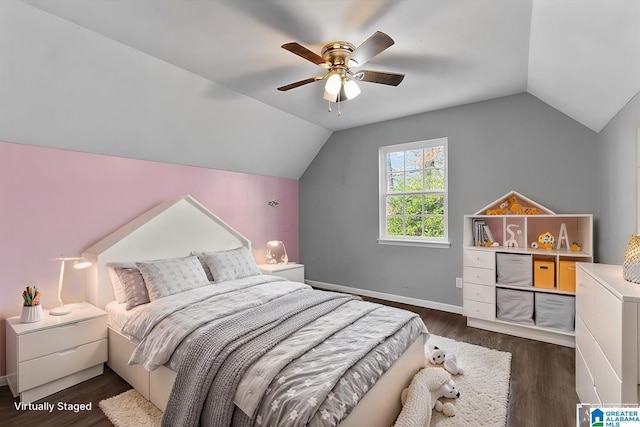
(172, 229)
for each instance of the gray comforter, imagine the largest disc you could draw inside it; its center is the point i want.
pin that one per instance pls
(286, 354)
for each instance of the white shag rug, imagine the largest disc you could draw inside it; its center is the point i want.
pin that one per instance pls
(130, 409)
(484, 392)
(484, 386)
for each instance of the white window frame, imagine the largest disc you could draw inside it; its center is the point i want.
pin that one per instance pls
(383, 238)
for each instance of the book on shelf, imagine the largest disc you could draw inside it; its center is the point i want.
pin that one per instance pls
(481, 233)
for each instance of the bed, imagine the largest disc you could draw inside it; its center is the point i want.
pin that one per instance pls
(182, 227)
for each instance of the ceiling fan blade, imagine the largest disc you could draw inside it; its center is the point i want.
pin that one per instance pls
(298, 84)
(372, 46)
(303, 52)
(391, 79)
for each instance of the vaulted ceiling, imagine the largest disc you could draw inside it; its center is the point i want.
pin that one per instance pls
(581, 57)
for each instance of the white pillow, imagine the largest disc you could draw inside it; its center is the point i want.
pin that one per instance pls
(118, 287)
(170, 276)
(232, 264)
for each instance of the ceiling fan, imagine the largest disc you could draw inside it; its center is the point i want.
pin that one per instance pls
(339, 58)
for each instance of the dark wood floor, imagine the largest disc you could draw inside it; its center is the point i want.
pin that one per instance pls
(542, 391)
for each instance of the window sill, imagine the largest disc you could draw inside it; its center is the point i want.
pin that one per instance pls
(443, 244)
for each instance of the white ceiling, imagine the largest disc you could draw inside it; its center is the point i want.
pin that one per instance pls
(581, 57)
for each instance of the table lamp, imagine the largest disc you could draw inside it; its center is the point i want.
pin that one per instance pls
(79, 263)
(275, 250)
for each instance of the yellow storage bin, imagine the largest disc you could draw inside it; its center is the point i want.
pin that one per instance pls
(567, 276)
(544, 274)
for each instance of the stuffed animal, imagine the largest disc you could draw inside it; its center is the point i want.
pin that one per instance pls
(514, 206)
(437, 356)
(421, 397)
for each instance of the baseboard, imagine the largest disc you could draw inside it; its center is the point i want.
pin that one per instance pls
(387, 297)
(3, 381)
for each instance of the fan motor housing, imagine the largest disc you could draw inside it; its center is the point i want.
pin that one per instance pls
(336, 53)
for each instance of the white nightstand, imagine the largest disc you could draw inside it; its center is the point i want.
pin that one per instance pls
(55, 353)
(292, 272)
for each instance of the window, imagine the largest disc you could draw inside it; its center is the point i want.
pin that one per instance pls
(413, 193)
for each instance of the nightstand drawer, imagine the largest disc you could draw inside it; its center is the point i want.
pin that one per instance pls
(42, 370)
(58, 338)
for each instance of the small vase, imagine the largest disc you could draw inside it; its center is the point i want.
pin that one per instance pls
(31, 313)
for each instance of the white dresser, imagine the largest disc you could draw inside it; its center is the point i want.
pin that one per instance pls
(607, 363)
(55, 353)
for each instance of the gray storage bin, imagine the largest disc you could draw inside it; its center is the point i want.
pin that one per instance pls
(555, 311)
(514, 269)
(514, 306)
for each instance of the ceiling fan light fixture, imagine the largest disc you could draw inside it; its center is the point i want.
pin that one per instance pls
(352, 63)
(330, 97)
(351, 89)
(334, 82)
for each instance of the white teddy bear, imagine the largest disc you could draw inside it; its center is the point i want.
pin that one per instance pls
(421, 397)
(437, 356)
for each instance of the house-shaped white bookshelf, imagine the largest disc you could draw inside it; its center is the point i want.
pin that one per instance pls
(520, 231)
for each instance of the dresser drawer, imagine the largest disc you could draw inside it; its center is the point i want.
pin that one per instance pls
(52, 340)
(585, 285)
(607, 330)
(585, 343)
(608, 384)
(482, 259)
(585, 386)
(42, 370)
(481, 276)
(474, 292)
(479, 310)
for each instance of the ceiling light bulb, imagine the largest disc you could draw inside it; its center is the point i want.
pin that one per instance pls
(351, 89)
(333, 84)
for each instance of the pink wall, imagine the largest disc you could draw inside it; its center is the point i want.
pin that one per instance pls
(56, 202)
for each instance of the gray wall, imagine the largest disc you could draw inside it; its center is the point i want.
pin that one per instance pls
(617, 196)
(511, 143)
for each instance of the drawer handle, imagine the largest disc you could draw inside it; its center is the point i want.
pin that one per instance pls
(69, 326)
(63, 353)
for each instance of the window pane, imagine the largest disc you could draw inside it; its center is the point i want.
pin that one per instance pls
(434, 226)
(396, 183)
(413, 181)
(414, 205)
(434, 157)
(414, 226)
(395, 161)
(434, 179)
(413, 160)
(394, 226)
(434, 204)
(395, 205)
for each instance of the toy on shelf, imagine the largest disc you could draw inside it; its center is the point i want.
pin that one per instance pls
(512, 242)
(513, 206)
(545, 240)
(575, 247)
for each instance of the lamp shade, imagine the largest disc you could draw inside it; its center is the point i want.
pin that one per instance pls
(334, 83)
(631, 265)
(276, 252)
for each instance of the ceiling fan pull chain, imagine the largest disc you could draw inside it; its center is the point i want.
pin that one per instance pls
(329, 110)
(339, 112)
